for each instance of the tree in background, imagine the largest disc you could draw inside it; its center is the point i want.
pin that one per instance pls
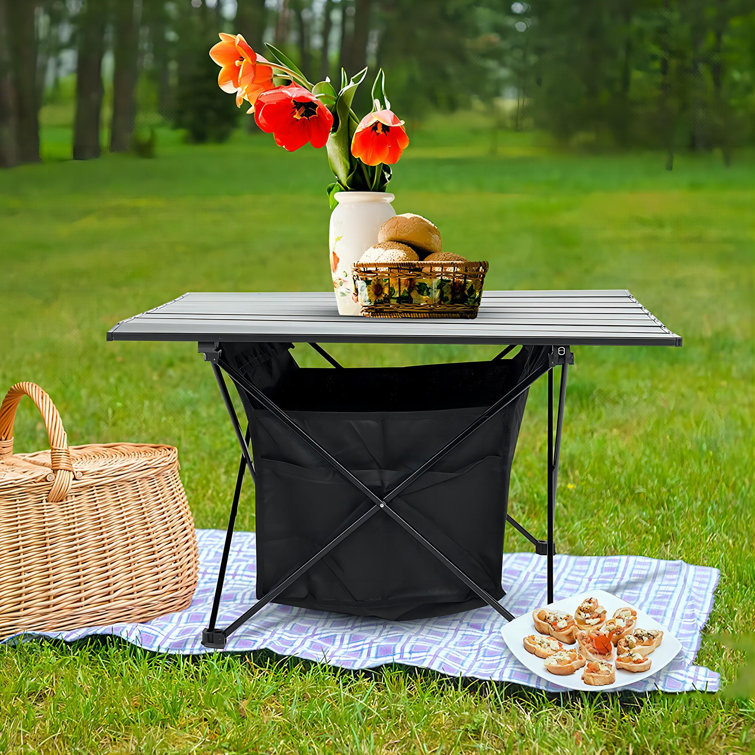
(91, 44)
(205, 116)
(670, 74)
(126, 49)
(8, 118)
(23, 49)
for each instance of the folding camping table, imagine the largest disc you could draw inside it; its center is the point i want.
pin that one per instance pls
(552, 320)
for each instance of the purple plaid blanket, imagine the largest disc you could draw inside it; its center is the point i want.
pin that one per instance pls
(469, 644)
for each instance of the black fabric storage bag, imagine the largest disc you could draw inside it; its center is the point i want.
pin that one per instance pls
(381, 424)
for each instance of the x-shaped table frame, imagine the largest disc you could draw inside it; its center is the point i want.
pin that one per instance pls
(548, 358)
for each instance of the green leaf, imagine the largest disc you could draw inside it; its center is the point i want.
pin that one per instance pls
(423, 289)
(284, 60)
(331, 190)
(324, 87)
(378, 91)
(341, 161)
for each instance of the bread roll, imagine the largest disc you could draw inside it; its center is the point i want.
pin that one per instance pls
(412, 229)
(389, 251)
(445, 257)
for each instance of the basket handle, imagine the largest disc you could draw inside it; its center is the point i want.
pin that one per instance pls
(60, 456)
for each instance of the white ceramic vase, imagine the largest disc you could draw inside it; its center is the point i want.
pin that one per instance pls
(354, 226)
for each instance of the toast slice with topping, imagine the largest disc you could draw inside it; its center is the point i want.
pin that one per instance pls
(557, 624)
(633, 661)
(643, 641)
(589, 615)
(599, 673)
(541, 646)
(621, 623)
(595, 645)
(564, 662)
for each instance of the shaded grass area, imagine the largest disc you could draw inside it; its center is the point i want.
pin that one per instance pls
(656, 459)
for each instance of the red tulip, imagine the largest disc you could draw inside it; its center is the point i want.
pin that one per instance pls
(294, 116)
(380, 138)
(229, 54)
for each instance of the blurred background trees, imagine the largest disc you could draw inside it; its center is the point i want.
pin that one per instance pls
(589, 74)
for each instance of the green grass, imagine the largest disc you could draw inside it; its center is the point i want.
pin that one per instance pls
(657, 449)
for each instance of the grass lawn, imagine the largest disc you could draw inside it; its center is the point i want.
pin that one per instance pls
(656, 459)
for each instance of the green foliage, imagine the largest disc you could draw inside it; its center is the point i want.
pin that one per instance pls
(206, 113)
(656, 455)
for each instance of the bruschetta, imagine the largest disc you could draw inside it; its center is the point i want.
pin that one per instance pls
(599, 673)
(621, 623)
(589, 615)
(633, 661)
(555, 623)
(541, 646)
(564, 662)
(644, 641)
(595, 646)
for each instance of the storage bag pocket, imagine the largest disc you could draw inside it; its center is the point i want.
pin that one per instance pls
(381, 424)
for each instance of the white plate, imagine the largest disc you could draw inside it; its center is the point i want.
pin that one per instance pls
(515, 631)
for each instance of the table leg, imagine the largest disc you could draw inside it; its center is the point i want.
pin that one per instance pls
(554, 452)
(227, 544)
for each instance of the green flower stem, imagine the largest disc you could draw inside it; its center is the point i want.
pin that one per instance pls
(290, 74)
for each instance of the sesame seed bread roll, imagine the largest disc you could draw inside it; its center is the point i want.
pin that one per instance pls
(414, 230)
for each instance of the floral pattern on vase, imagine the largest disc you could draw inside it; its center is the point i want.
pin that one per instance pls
(354, 226)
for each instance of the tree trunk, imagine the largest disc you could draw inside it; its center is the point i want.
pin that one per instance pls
(8, 142)
(155, 18)
(281, 26)
(358, 42)
(327, 26)
(302, 33)
(251, 22)
(126, 55)
(347, 10)
(698, 125)
(23, 47)
(86, 127)
(664, 110)
(717, 78)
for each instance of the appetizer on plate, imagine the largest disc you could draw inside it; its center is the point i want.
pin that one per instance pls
(633, 661)
(555, 623)
(589, 615)
(599, 673)
(644, 641)
(622, 622)
(541, 646)
(564, 662)
(595, 645)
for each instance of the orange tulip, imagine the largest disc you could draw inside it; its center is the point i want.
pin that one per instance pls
(380, 138)
(254, 79)
(230, 53)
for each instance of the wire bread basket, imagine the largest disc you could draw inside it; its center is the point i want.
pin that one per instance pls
(419, 289)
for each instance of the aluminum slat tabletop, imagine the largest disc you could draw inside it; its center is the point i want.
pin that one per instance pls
(569, 318)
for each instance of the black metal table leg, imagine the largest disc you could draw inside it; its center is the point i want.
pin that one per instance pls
(554, 452)
(210, 636)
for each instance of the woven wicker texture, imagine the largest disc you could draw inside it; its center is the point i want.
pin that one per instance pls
(91, 534)
(419, 289)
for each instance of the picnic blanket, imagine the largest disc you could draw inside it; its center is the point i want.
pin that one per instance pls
(469, 644)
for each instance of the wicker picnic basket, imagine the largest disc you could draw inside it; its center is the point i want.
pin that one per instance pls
(89, 535)
(419, 289)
